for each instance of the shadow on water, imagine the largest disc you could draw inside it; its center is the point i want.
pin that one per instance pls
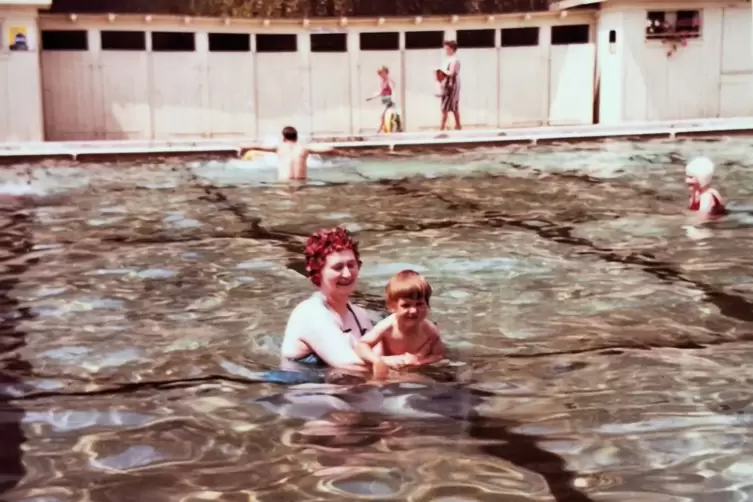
(357, 422)
(15, 242)
(500, 440)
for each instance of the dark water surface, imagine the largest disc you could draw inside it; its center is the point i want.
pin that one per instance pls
(599, 337)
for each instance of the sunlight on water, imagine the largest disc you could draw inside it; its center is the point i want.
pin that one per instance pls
(144, 306)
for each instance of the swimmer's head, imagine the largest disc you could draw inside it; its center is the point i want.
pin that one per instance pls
(333, 260)
(408, 294)
(289, 133)
(699, 172)
(383, 71)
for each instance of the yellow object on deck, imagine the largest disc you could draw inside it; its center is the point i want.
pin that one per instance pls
(392, 121)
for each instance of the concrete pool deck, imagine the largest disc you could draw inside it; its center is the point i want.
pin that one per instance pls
(75, 150)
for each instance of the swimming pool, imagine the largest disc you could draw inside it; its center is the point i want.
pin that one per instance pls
(600, 343)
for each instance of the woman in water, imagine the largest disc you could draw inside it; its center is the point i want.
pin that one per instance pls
(390, 116)
(324, 328)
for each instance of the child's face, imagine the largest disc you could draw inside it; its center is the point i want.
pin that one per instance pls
(692, 182)
(382, 73)
(410, 311)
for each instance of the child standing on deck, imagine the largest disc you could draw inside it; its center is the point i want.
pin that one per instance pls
(407, 337)
(705, 200)
(390, 118)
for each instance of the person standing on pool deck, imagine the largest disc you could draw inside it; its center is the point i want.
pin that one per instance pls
(705, 200)
(386, 86)
(292, 157)
(451, 98)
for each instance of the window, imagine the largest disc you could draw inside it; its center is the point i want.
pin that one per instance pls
(276, 43)
(475, 39)
(520, 37)
(673, 24)
(64, 40)
(329, 42)
(123, 40)
(229, 42)
(173, 41)
(570, 34)
(424, 39)
(380, 41)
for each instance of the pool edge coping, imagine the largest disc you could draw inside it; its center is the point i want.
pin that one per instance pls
(11, 152)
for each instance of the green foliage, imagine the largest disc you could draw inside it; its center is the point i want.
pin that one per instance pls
(301, 8)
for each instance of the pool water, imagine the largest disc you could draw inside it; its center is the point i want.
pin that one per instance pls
(599, 336)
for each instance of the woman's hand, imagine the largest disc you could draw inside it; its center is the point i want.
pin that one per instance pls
(380, 369)
(400, 362)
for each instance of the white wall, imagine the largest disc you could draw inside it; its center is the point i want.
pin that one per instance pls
(20, 80)
(708, 78)
(736, 83)
(112, 94)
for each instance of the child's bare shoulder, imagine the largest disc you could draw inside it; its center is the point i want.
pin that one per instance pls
(430, 328)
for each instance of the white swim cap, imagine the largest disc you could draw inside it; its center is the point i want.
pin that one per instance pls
(702, 169)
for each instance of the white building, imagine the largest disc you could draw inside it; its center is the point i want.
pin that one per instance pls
(117, 76)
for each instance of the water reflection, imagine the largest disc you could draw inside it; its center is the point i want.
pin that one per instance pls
(598, 349)
(15, 242)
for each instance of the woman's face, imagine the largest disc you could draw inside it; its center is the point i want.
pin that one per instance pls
(449, 50)
(340, 274)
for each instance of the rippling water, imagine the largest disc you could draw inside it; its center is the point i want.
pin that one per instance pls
(598, 335)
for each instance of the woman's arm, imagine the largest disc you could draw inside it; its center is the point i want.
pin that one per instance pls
(368, 342)
(454, 68)
(322, 335)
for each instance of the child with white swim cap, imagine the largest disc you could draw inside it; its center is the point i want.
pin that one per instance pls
(703, 199)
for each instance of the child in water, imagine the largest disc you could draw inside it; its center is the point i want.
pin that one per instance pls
(704, 200)
(407, 337)
(390, 115)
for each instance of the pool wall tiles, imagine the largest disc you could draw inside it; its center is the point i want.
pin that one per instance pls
(160, 77)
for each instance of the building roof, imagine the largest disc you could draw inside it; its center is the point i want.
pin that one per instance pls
(573, 4)
(42, 4)
(301, 8)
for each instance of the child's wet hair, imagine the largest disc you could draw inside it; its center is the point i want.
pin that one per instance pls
(289, 133)
(407, 285)
(383, 69)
